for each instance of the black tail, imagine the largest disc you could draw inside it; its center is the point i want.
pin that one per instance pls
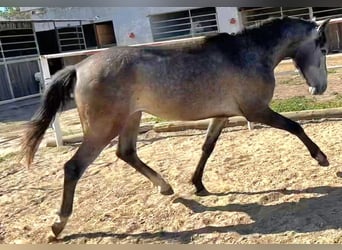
(55, 97)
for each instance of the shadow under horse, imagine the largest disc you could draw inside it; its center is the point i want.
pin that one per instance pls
(308, 215)
(217, 77)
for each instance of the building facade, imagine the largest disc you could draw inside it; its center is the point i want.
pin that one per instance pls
(58, 30)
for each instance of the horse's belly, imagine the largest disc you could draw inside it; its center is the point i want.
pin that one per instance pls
(190, 109)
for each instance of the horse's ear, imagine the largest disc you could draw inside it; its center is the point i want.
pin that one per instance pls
(322, 29)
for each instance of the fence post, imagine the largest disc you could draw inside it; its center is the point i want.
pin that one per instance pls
(46, 77)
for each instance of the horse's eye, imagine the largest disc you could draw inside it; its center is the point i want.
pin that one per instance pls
(324, 51)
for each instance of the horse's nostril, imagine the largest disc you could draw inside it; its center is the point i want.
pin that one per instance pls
(313, 90)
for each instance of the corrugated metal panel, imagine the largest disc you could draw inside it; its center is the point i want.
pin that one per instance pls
(22, 78)
(5, 91)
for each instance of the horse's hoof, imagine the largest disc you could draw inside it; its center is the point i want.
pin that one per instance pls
(167, 190)
(57, 229)
(322, 159)
(52, 239)
(202, 192)
(200, 189)
(324, 163)
(58, 226)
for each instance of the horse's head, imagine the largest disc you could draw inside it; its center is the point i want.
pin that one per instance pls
(310, 59)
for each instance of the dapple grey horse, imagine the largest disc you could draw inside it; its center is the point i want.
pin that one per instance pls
(216, 77)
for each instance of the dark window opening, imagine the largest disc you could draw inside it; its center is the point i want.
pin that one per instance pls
(47, 42)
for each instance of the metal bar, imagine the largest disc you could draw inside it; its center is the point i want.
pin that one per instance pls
(169, 20)
(289, 10)
(7, 71)
(304, 14)
(58, 131)
(23, 49)
(57, 37)
(174, 37)
(68, 33)
(82, 32)
(311, 13)
(209, 26)
(191, 23)
(74, 44)
(38, 61)
(18, 42)
(60, 31)
(265, 13)
(17, 59)
(46, 20)
(182, 18)
(261, 8)
(69, 39)
(45, 69)
(16, 28)
(276, 12)
(204, 15)
(206, 32)
(173, 31)
(336, 18)
(97, 35)
(79, 40)
(175, 25)
(19, 99)
(322, 11)
(24, 35)
(74, 53)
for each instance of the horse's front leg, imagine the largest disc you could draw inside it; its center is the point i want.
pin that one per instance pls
(214, 130)
(273, 119)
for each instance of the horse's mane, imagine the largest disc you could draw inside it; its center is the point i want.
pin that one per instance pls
(266, 33)
(275, 24)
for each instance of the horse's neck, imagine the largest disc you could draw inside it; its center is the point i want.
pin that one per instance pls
(278, 47)
(284, 49)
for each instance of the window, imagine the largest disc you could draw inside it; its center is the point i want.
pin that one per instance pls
(321, 13)
(253, 16)
(17, 39)
(183, 24)
(71, 38)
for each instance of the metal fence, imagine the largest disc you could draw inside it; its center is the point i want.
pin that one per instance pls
(184, 24)
(19, 61)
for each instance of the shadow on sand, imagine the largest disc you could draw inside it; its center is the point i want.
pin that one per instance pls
(305, 216)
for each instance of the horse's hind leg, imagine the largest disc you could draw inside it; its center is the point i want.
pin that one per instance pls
(73, 170)
(214, 130)
(276, 120)
(126, 151)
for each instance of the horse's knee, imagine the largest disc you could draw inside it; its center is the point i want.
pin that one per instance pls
(125, 154)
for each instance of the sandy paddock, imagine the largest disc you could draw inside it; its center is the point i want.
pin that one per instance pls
(265, 187)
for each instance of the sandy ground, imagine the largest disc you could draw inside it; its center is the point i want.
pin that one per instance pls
(265, 187)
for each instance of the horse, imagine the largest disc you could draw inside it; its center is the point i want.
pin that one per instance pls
(217, 76)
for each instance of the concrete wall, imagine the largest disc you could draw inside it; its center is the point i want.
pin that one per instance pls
(130, 19)
(100, 13)
(136, 20)
(225, 16)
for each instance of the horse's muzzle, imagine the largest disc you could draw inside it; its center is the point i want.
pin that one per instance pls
(317, 90)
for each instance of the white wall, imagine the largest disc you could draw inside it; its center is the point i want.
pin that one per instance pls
(130, 19)
(224, 16)
(136, 20)
(102, 13)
